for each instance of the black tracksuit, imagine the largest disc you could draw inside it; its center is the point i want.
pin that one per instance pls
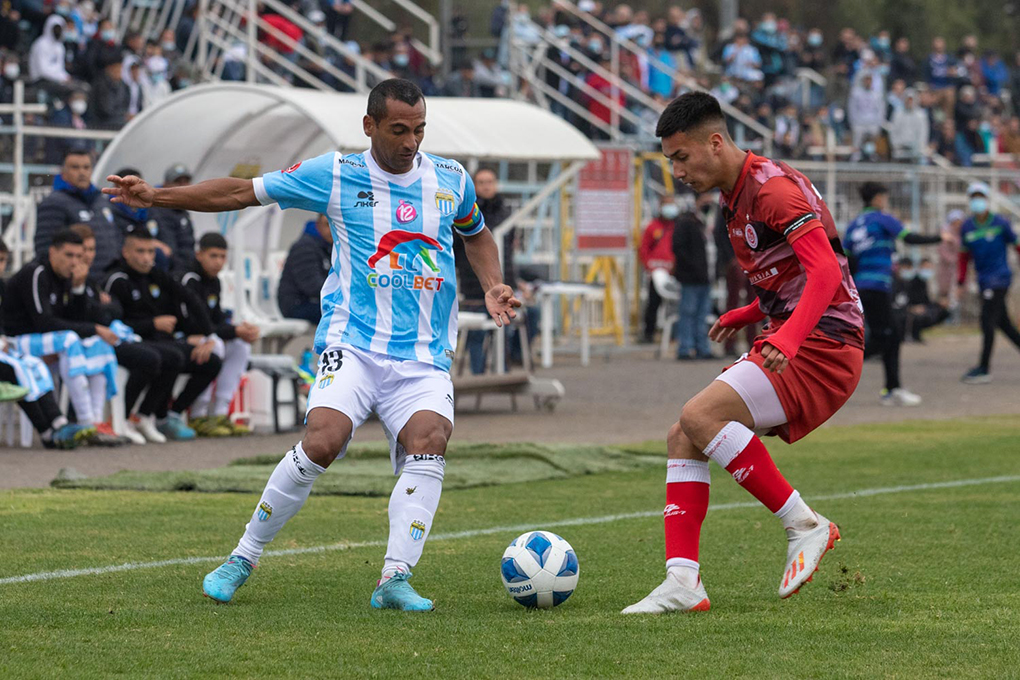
(161, 356)
(207, 291)
(39, 301)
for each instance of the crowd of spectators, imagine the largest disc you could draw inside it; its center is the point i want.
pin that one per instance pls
(882, 98)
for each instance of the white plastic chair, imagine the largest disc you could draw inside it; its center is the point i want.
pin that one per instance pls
(668, 289)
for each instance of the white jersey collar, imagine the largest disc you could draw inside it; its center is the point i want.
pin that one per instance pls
(421, 164)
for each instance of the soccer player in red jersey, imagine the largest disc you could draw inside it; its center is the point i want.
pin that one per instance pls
(800, 371)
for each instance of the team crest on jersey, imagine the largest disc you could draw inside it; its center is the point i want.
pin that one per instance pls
(406, 212)
(292, 168)
(212, 300)
(417, 530)
(410, 260)
(325, 381)
(265, 511)
(445, 202)
(154, 290)
(751, 236)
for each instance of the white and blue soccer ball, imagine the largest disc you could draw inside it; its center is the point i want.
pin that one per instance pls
(539, 569)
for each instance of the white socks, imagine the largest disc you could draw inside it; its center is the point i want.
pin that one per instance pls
(286, 491)
(795, 514)
(685, 571)
(97, 393)
(235, 354)
(413, 503)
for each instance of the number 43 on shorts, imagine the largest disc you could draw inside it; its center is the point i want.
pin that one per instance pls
(331, 361)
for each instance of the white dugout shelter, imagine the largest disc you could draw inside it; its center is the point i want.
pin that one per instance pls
(242, 130)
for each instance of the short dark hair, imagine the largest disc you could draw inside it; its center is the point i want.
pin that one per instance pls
(687, 112)
(83, 230)
(3, 247)
(65, 236)
(395, 88)
(212, 240)
(138, 231)
(869, 190)
(76, 150)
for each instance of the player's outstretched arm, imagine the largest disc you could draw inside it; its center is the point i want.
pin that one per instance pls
(483, 255)
(214, 195)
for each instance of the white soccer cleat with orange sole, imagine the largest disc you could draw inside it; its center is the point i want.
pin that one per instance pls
(671, 596)
(804, 552)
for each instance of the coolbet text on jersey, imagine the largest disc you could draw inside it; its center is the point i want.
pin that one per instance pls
(392, 286)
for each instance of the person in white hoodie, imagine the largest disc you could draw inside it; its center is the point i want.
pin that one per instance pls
(46, 57)
(866, 110)
(909, 130)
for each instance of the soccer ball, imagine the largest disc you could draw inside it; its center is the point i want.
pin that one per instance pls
(539, 569)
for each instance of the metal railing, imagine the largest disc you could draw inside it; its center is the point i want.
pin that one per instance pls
(148, 18)
(432, 50)
(680, 79)
(225, 24)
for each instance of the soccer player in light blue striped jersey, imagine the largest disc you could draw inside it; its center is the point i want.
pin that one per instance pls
(389, 320)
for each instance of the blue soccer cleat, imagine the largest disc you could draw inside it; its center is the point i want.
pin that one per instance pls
(221, 583)
(174, 429)
(397, 593)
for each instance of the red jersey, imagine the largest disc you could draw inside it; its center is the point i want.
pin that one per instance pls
(770, 207)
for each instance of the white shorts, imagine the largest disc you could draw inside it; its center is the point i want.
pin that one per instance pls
(753, 386)
(357, 382)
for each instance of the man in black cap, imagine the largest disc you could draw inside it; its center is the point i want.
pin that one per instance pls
(175, 227)
(156, 306)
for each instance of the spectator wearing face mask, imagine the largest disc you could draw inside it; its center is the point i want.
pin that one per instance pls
(812, 55)
(11, 73)
(656, 252)
(99, 50)
(154, 82)
(772, 46)
(912, 298)
(866, 111)
(985, 237)
(69, 115)
(908, 132)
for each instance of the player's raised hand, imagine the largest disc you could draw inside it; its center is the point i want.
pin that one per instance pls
(132, 191)
(775, 360)
(500, 302)
(720, 333)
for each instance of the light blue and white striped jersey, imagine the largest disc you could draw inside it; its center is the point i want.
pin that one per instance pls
(392, 285)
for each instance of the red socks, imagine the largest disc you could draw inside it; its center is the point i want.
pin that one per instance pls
(745, 457)
(687, 485)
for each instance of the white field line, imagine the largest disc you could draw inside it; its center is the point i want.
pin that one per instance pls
(512, 529)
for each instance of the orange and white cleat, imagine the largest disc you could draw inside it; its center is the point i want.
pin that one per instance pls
(804, 551)
(672, 596)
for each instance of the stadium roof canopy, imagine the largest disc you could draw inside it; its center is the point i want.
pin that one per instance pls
(246, 130)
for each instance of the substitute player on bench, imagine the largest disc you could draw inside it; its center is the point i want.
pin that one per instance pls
(389, 322)
(801, 370)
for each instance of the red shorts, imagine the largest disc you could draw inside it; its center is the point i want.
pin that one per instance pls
(816, 383)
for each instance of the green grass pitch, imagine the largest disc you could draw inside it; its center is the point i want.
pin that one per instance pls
(925, 583)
